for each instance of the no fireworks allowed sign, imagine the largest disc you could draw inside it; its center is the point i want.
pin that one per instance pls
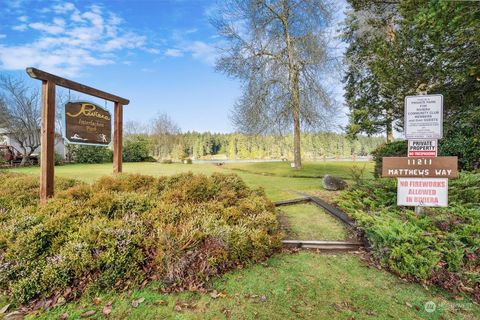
(422, 192)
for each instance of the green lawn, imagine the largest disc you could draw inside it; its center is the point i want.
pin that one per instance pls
(277, 187)
(288, 286)
(309, 169)
(295, 286)
(309, 222)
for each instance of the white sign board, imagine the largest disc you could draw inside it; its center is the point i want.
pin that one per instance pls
(422, 148)
(424, 117)
(422, 192)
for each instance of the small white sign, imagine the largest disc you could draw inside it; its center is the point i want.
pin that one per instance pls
(422, 192)
(424, 117)
(422, 148)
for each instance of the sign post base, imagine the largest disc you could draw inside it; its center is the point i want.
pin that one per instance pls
(419, 210)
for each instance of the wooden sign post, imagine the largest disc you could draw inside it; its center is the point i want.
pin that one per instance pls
(47, 156)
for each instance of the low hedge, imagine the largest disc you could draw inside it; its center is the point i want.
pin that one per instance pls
(124, 230)
(441, 246)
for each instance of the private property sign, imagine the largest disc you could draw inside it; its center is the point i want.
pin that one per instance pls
(424, 117)
(422, 148)
(421, 192)
(435, 167)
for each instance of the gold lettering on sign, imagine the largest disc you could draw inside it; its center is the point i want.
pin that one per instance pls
(89, 111)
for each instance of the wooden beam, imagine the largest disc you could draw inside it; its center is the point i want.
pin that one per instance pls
(45, 76)
(47, 154)
(117, 138)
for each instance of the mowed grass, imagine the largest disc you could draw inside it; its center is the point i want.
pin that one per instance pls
(277, 187)
(309, 222)
(316, 169)
(288, 286)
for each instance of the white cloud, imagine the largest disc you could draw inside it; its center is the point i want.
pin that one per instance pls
(22, 18)
(3, 36)
(173, 53)
(48, 28)
(20, 27)
(72, 40)
(193, 30)
(203, 51)
(63, 8)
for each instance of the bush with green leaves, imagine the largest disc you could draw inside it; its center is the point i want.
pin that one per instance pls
(120, 231)
(135, 149)
(393, 149)
(463, 139)
(90, 154)
(441, 246)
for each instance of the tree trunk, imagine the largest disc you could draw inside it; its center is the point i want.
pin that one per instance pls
(297, 156)
(293, 75)
(25, 157)
(389, 125)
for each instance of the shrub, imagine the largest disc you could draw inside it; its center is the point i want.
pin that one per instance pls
(462, 139)
(123, 230)
(135, 149)
(441, 246)
(393, 149)
(90, 154)
(58, 159)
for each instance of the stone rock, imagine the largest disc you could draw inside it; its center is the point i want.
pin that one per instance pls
(333, 183)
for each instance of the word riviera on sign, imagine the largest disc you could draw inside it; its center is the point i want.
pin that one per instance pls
(89, 111)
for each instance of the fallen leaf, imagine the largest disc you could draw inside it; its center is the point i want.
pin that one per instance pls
(61, 301)
(15, 315)
(227, 312)
(5, 308)
(64, 316)
(408, 304)
(162, 302)
(214, 294)
(96, 301)
(88, 313)
(67, 292)
(136, 303)
(263, 298)
(178, 308)
(107, 309)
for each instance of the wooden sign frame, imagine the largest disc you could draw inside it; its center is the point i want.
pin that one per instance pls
(47, 155)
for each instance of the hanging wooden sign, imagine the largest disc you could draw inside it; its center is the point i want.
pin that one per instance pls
(87, 123)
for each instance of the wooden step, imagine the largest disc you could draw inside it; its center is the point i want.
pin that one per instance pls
(292, 201)
(323, 245)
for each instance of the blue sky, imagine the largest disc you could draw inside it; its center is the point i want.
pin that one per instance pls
(159, 54)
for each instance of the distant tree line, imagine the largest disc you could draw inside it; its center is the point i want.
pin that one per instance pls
(195, 145)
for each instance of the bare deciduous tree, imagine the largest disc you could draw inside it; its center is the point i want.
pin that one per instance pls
(134, 128)
(21, 114)
(164, 133)
(278, 48)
